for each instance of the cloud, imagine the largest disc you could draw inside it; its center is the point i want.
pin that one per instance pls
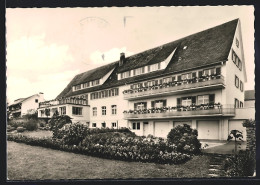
(99, 58)
(51, 85)
(34, 66)
(33, 54)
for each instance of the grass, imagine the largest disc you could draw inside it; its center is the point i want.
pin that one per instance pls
(38, 133)
(25, 162)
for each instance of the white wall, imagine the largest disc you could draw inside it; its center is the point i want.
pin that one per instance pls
(232, 91)
(31, 104)
(109, 117)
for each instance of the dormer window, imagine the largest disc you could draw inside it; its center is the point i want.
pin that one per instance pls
(78, 87)
(125, 74)
(85, 85)
(154, 67)
(95, 82)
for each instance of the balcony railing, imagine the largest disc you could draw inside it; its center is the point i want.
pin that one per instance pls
(215, 81)
(76, 101)
(175, 112)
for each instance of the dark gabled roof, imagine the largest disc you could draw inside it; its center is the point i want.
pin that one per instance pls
(201, 49)
(87, 76)
(249, 95)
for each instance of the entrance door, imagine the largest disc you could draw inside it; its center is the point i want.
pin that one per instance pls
(146, 127)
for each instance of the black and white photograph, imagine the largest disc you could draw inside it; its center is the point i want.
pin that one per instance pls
(163, 92)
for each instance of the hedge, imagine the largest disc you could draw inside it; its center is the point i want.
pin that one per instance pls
(111, 147)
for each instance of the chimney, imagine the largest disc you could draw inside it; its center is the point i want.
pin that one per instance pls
(122, 59)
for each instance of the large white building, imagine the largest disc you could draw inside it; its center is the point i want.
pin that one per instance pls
(197, 80)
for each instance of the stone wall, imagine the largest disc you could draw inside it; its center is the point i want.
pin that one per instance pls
(250, 131)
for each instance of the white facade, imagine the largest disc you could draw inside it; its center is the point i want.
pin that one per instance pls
(210, 98)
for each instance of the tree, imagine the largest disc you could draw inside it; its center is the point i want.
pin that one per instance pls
(237, 135)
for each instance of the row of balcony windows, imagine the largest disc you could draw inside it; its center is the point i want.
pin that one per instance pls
(173, 83)
(177, 108)
(77, 101)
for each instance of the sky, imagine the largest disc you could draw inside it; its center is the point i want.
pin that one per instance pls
(47, 47)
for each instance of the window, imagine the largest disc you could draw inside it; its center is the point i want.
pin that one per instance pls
(113, 125)
(62, 110)
(236, 103)
(104, 110)
(241, 86)
(237, 42)
(85, 85)
(241, 104)
(78, 87)
(158, 103)
(125, 74)
(77, 110)
(204, 99)
(240, 65)
(113, 107)
(136, 126)
(236, 81)
(94, 125)
(186, 101)
(103, 124)
(36, 100)
(42, 113)
(140, 105)
(138, 71)
(154, 67)
(95, 82)
(94, 109)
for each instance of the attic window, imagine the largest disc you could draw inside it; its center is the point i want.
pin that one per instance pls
(237, 43)
(185, 47)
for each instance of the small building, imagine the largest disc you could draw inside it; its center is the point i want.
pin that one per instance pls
(76, 108)
(24, 106)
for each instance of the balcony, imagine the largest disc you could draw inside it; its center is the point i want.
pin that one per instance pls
(62, 101)
(171, 88)
(182, 112)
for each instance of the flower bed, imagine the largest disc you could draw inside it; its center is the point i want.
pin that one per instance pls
(114, 145)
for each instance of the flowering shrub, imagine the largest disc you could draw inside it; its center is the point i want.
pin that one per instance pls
(56, 123)
(30, 124)
(249, 123)
(185, 138)
(74, 134)
(241, 164)
(114, 145)
(132, 149)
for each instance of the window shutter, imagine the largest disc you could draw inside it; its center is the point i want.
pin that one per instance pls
(200, 73)
(145, 105)
(173, 78)
(135, 106)
(212, 98)
(178, 101)
(152, 104)
(194, 75)
(164, 103)
(179, 77)
(161, 81)
(145, 84)
(140, 85)
(218, 70)
(134, 71)
(148, 68)
(156, 82)
(193, 99)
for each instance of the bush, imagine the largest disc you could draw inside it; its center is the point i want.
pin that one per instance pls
(75, 134)
(20, 129)
(15, 123)
(241, 164)
(56, 124)
(114, 145)
(31, 125)
(249, 123)
(9, 128)
(185, 138)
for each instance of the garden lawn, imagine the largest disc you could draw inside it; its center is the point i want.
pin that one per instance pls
(25, 162)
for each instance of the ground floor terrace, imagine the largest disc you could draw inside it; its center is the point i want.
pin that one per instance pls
(214, 128)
